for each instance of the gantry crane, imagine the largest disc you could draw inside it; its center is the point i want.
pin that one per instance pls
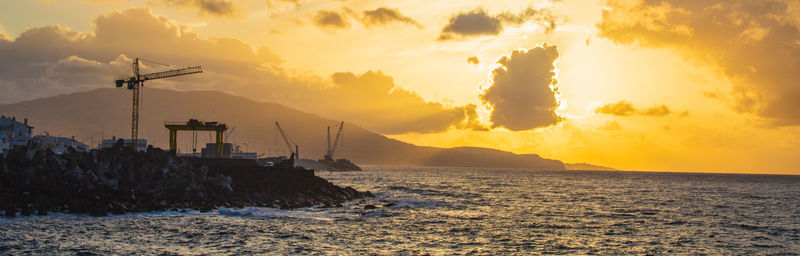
(332, 147)
(296, 150)
(136, 81)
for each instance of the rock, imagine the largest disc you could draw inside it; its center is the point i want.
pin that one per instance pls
(117, 208)
(119, 180)
(370, 207)
(11, 211)
(26, 210)
(42, 211)
(98, 209)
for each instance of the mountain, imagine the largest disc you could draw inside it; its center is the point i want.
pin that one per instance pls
(107, 112)
(587, 167)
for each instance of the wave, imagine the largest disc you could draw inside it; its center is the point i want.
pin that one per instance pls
(273, 213)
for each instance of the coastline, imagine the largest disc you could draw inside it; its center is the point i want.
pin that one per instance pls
(118, 180)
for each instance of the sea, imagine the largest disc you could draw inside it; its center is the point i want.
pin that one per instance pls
(457, 211)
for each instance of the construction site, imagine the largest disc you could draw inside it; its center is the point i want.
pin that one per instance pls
(220, 148)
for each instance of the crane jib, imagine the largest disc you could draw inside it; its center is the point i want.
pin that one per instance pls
(158, 75)
(172, 73)
(136, 80)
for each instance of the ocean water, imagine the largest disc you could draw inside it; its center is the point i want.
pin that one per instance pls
(461, 211)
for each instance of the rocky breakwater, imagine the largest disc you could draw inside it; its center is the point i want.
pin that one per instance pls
(118, 180)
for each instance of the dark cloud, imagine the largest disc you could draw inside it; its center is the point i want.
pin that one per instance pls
(660, 110)
(625, 108)
(331, 20)
(220, 8)
(472, 23)
(622, 108)
(479, 22)
(473, 60)
(542, 17)
(754, 42)
(523, 90)
(383, 16)
(52, 60)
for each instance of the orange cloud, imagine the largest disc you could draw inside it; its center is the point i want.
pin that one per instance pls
(610, 126)
(753, 42)
(52, 60)
(622, 108)
(625, 108)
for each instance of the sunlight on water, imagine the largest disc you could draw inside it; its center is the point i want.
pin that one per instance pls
(459, 211)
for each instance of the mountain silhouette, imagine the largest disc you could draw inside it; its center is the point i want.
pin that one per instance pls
(107, 112)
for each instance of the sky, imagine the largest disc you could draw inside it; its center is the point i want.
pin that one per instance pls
(656, 85)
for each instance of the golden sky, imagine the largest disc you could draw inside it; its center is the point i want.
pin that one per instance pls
(667, 85)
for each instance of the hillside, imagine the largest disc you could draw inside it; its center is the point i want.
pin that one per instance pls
(587, 167)
(106, 112)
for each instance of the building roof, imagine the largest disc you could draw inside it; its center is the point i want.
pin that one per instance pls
(6, 122)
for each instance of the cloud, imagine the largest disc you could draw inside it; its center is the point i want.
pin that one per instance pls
(755, 43)
(523, 90)
(625, 108)
(543, 17)
(409, 112)
(219, 8)
(47, 61)
(473, 60)
(296, 3)
(331, 20)
(478, 22)
(622, 108)
(4, 33)
(472, 23)
(660, 110)
(383, 16)
(610, 126)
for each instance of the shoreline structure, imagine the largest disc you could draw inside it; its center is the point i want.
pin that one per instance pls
(118, 180)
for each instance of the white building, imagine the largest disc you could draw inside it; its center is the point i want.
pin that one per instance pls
(59, 145)
(141, 146)
(13, 133)
(229, 150)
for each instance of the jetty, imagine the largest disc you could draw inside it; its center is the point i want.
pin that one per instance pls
(119, 180)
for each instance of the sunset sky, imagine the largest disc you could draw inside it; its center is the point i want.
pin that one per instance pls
(662, 85)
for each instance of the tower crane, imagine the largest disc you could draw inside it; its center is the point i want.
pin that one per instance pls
(136, 81)
(332, 147)
(296, 150)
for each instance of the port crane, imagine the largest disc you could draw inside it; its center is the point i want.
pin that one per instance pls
(136, 81)
(332, 147)
(296, 150)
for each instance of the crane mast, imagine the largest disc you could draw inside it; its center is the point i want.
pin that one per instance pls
(136, 81)
(332, 147)
(295, 151)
